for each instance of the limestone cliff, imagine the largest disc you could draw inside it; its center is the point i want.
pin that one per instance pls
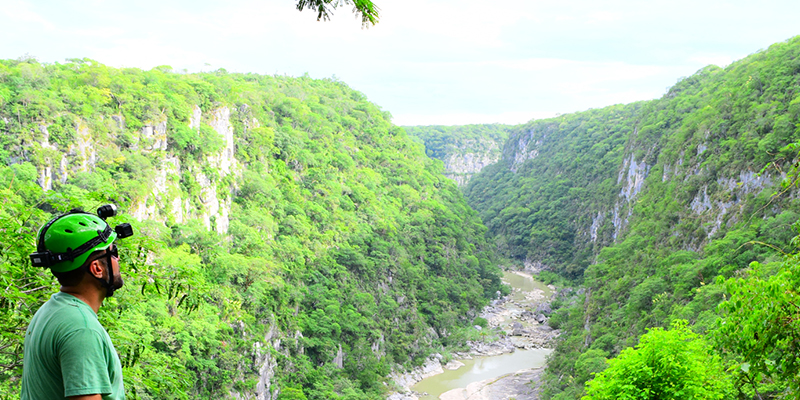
(464, 150)
(467, 158)
(164, 199)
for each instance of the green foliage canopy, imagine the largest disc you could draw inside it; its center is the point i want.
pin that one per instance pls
(760, 325)
(666, 364)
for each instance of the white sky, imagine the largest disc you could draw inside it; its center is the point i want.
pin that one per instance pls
(427, 61)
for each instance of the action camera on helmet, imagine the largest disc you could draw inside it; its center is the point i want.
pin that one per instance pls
(123, 230)
(108, 210)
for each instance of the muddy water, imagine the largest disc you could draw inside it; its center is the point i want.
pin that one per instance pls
(525, 284)
(482, 368)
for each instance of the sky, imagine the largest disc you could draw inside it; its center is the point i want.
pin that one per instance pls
(445, 62)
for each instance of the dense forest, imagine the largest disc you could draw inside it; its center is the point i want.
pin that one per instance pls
(676, 220)
(290, 242)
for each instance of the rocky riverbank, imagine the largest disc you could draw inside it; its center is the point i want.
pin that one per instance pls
(520, 321)
(523, 316)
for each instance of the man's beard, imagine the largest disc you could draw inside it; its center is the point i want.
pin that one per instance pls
(117, 281)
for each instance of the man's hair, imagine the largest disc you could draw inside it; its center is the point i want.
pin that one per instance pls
(74, 277)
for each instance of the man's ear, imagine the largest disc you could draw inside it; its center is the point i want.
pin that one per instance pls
(97, 268)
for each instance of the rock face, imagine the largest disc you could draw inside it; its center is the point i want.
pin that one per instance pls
(748, 182)
(464, 150)
(432, 366)
(83, 150)
(631, 177)
(338, 361)
(221, 122)
(154, 137)
(265, 363)
(46, 173)
(165, 198)
(527, 148)
(621, 156)
(469, 158)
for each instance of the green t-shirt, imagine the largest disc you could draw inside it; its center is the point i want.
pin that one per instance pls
(68, 353)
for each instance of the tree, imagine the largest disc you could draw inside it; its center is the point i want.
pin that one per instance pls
(674, 364)
(760, 326)
(324, 8)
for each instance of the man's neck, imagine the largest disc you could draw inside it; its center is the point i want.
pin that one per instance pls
(92, 297)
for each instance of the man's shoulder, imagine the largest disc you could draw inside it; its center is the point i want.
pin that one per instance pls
(64, 313)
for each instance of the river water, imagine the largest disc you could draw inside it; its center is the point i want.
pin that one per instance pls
(480, 368)
(525, 284)
(489, 367)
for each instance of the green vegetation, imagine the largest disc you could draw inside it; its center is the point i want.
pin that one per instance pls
(538, 211)
(657, 210)
(760, 327)
(325, 248)
(675, 364)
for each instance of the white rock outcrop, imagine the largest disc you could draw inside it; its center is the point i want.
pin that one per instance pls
(166, 196)
(632, 176)
(46, 172)
(165, 199)
(633, 173)
(468, 158)
(597, 222)
(265, 363)
(527, 149)
(221, 122)
(432, 366)
(155, 136)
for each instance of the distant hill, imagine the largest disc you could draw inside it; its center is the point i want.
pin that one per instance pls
(464, 149)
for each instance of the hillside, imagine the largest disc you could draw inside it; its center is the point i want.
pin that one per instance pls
(290, 241)
(465, 149)
(659, 211)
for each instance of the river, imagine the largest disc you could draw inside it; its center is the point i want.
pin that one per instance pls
(526, 295)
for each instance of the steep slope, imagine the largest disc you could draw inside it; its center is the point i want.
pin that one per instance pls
(647, 204)
(465, 150)
(542, 199)
(290, 239)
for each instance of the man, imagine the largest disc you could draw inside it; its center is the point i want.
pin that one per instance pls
(68, 354)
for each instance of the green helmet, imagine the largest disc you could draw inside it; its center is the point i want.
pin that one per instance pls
(67, 241)
(72, 231)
